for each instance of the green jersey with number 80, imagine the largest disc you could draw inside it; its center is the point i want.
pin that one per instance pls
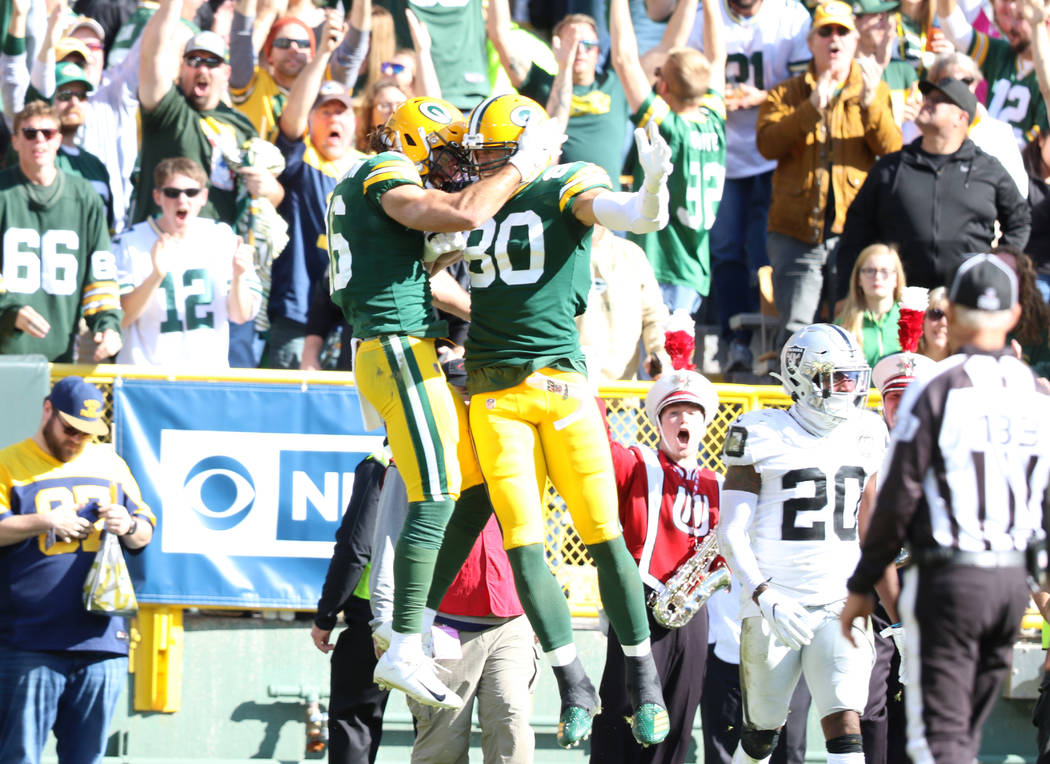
(376, 269)
(530, 273)
(679, 251)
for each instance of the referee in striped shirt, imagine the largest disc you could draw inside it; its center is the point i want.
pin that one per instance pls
(963, 486)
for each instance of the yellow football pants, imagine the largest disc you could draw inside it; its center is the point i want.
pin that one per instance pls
(426, 422)
(524, 435)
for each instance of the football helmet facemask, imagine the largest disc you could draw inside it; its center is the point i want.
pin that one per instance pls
(494, 126)
(823, 369)
(429, 132)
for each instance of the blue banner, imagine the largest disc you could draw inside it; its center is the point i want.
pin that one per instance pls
(248, 481)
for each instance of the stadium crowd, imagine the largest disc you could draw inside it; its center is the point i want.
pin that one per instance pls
(377, 187)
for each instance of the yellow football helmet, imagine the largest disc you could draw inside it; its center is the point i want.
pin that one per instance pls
(428, 131)
(495, 125)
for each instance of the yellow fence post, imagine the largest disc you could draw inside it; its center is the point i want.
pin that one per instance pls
(157, 661)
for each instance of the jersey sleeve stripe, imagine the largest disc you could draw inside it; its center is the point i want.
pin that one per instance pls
(657, 112)
(99, 296)
(979, 48)
(582, 180)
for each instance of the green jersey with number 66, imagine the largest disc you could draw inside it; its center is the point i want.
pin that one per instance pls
(679, 251)
(376, 270)
(1013, 92)
(55, 257)
(530, 273)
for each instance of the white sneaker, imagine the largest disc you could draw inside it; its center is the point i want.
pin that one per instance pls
(415, 678)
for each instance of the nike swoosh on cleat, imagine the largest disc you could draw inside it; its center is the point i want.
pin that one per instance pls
(438, 697)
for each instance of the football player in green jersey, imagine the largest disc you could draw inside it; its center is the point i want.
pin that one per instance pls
(680, 90)
(375, 225)
(532, 411)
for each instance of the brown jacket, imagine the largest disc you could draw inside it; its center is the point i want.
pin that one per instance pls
(808, 146)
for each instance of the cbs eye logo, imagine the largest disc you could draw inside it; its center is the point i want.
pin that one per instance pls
(220, 491)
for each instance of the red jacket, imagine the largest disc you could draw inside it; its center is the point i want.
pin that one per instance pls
(485, 584)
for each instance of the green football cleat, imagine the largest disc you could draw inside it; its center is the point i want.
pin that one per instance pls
(650, 724)
(574, 725)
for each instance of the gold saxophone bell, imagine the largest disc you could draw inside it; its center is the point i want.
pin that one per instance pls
(690, 587)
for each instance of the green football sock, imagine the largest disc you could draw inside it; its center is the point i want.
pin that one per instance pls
(621, 589)
(414, 558)
(541, 596)
(468, 519)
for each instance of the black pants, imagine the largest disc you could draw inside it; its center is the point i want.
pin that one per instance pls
(883, 724)
(722, 716)
(355, 709)
(967, 620)
(1041, 719)
(680, 655)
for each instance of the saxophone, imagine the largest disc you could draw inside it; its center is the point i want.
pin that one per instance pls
(691, 586)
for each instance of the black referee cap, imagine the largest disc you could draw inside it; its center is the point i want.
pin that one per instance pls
(984, 282)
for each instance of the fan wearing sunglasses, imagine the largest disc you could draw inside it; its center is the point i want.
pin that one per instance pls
(55, 259)
(824, 128)
(183, 278)
(259, 90)
(182, 89)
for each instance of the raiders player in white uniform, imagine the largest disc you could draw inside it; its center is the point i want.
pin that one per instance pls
(799, 484)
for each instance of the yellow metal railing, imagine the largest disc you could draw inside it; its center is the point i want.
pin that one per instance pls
(158, 653)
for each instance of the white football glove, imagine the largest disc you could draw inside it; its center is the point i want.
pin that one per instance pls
(437, 244)
(538, 144)
(788, 620)
(654, 155)
(896, 632)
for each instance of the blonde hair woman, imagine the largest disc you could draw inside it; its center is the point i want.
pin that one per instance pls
(871, 311)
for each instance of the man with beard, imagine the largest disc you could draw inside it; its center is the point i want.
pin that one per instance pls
(1013, 89)
(261, 91)
(61, 667)
(183, 114)
(317, 140)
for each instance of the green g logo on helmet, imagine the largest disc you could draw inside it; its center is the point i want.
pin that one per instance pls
(435, 112)
(521, 115)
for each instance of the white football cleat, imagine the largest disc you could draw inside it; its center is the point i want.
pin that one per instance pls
(382, 634)
(415, 678)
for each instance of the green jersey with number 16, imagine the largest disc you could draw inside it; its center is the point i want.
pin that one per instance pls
(376, 269)
(530, 273)
(679, 252)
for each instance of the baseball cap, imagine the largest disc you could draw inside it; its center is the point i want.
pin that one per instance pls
(984, 282)
(897, 370)
(864, 7)
(80, 404)
(69, 45)
(956, 91)
(67, 72)
(208, 42)
(833, 12)
(331, 90)
(90, 23)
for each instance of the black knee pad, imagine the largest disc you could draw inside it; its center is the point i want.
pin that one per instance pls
(845, 744)
(758, 744)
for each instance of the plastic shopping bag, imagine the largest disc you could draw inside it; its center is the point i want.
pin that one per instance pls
(108, 589)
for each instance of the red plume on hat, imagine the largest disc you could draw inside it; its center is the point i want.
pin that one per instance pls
(680, 339)
(914, 301)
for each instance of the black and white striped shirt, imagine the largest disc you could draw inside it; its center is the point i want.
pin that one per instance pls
(967, 465)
